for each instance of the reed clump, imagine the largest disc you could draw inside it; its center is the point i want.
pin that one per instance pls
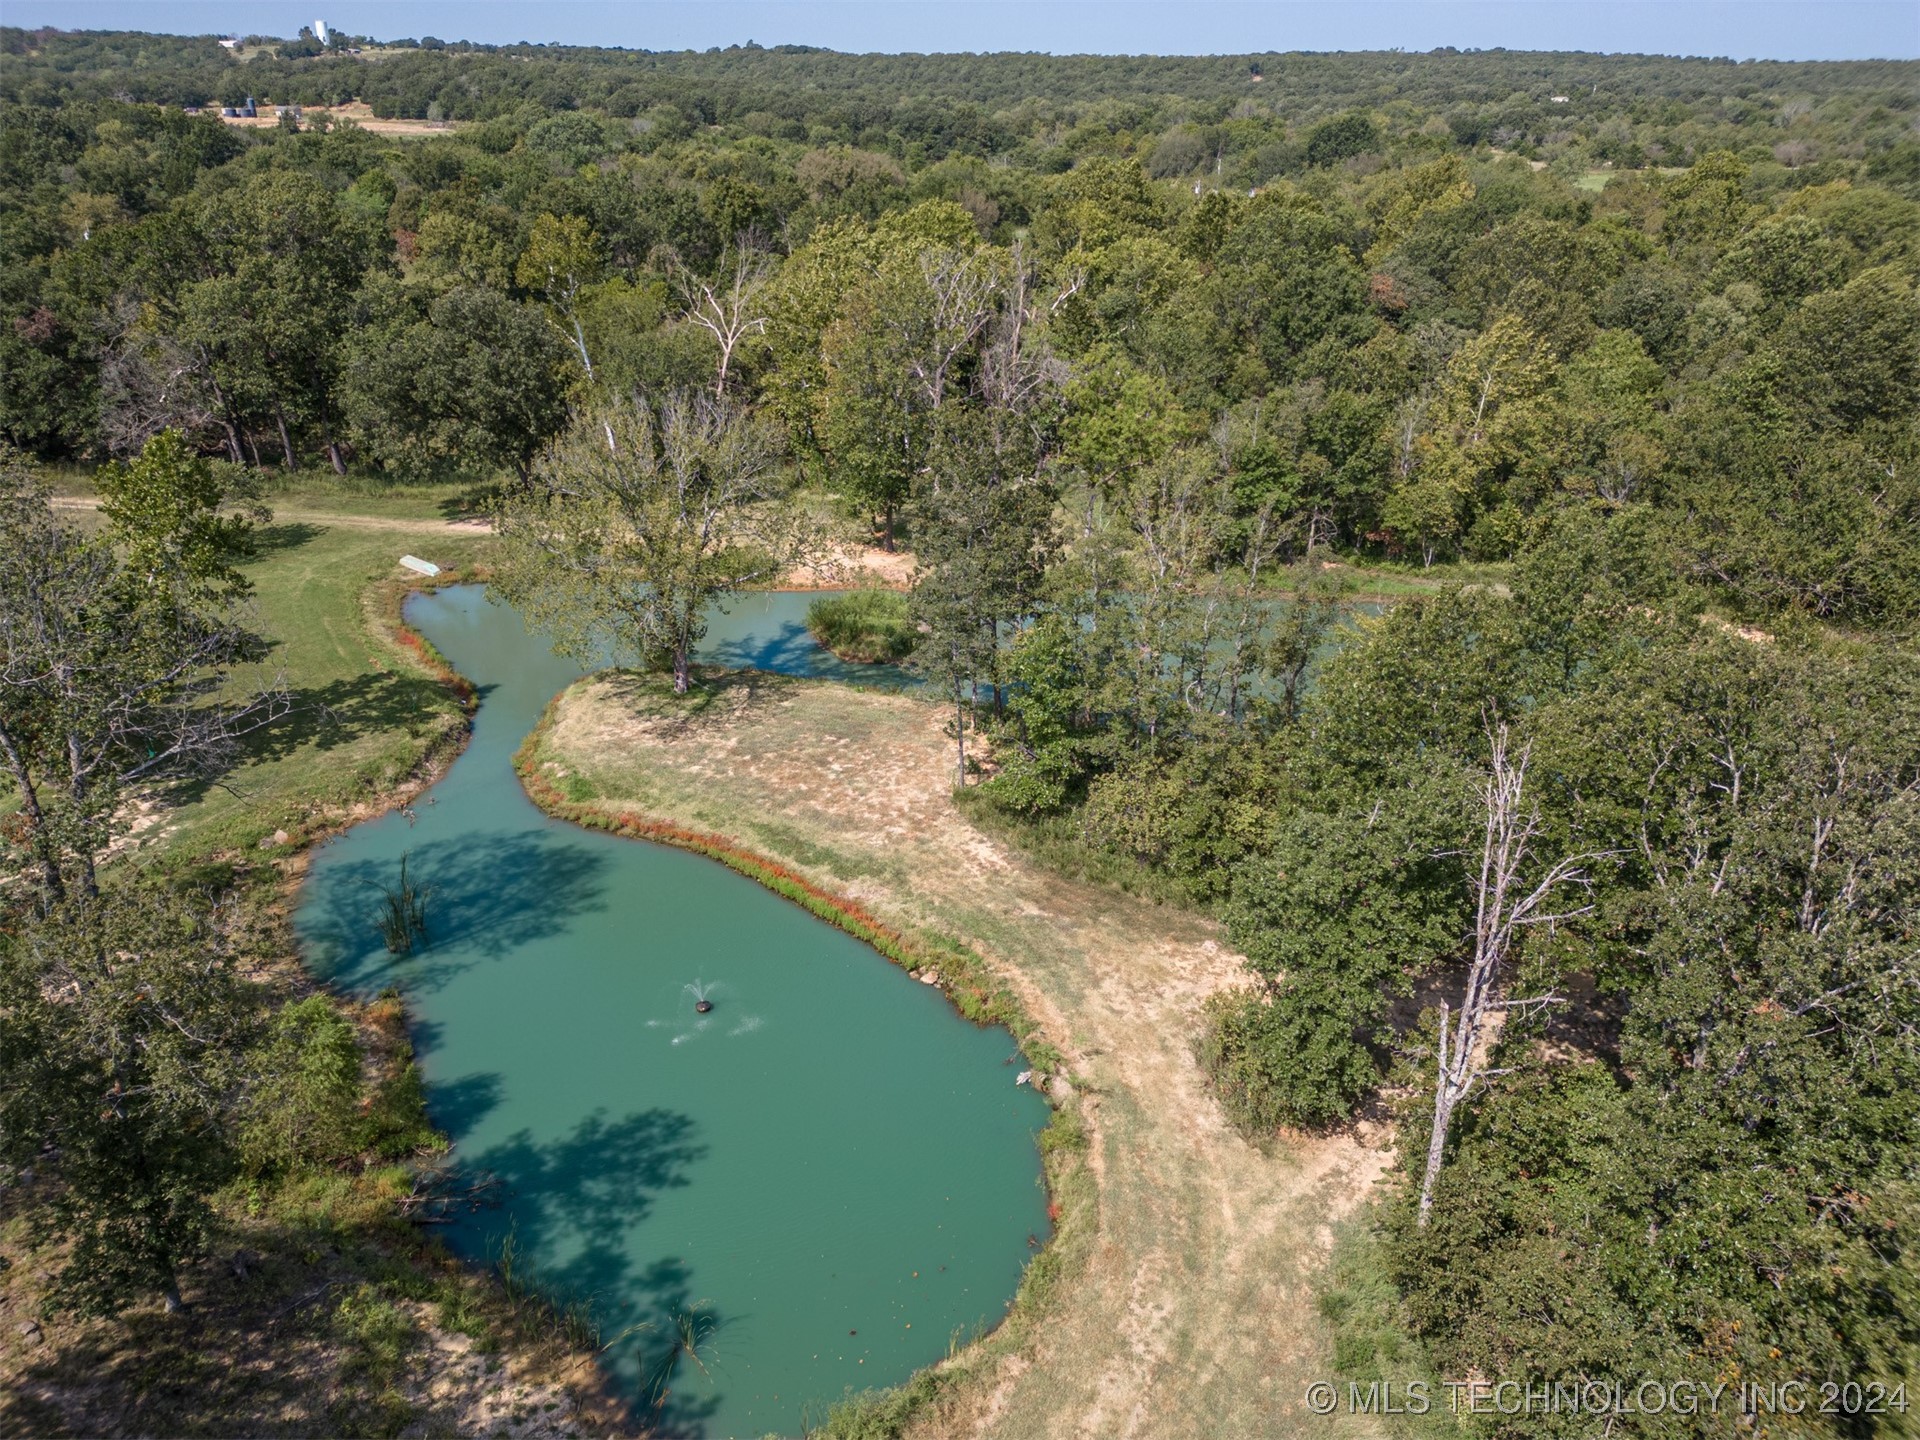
(403, 914)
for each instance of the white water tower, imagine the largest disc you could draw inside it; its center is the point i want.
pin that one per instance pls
(320, 31)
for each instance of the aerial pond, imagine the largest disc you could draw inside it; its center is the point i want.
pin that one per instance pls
(823, 1177)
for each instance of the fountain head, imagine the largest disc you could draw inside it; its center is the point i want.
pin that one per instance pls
(702, 1006)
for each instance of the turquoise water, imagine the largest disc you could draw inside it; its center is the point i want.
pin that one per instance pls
(831, 1164)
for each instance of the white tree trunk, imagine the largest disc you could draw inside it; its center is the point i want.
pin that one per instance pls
(1503, 907)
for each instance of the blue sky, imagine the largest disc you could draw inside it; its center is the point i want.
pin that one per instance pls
(1743, 29)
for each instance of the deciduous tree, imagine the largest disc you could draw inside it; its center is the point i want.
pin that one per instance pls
(642, 516)
(119, 1064)
(114, 671)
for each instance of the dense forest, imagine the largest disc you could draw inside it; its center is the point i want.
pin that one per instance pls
(1594, 861)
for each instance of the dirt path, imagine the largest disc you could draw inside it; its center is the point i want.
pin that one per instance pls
(328, 517)
(1192, 1315)
(844, 566)
(840, 567)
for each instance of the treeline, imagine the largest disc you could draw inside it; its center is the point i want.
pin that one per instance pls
(1408, 349)
(1233, 115)
(1614, 910)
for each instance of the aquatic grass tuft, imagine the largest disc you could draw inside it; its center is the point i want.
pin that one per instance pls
(403, 918)
(690, 1332)
(507, 1266)
(572, 1320)
(578, 1326)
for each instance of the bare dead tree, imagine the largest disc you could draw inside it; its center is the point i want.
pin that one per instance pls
(1505, 905)
(966, 289)
(441, 1196)
(149, 383)
(1174, 520)
(1408, 416)
(1018, 377)
(1630, 457)
(728, 309)
(1074, 282)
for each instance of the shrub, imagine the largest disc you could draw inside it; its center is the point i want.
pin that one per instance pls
(395, 1124)
(868, 627)
(304, 1106)
(1276, 1065)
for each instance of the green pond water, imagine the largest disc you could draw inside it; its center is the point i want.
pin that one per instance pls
(838, 1167)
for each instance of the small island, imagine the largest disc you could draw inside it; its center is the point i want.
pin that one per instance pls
(864, 627)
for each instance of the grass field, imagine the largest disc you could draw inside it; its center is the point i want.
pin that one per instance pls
(363, 715)
(356, 113)
(322, 495)
(1187, 1309)
(1400, 582)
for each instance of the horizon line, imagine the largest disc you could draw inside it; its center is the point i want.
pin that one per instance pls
(804, 47)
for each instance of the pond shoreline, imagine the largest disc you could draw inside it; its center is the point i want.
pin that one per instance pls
(961, 976)
(973, 990)
(392, 613)
(383, 609)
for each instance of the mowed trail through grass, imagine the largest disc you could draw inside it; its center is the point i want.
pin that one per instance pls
(1189, 1311)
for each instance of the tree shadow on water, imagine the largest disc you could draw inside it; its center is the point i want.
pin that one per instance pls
(592, 1185)
(570, 1207)
(456, 1106)
(426, 1035)
(665, 1349)
(675, 1353)
(788, 649)
(486, 895)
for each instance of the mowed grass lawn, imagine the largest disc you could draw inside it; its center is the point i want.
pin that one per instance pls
(363, 713)
(321, 494)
